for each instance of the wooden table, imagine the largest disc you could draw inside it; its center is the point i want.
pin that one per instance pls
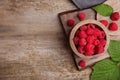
(32, 42)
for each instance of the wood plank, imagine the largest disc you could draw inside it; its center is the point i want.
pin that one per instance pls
(64, 17)
(32, 43)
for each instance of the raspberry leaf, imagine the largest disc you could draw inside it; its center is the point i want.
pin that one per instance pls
(114, 50)
(106, 70)
(103, 9)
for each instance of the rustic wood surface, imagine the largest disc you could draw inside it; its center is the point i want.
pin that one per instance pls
(32, 42)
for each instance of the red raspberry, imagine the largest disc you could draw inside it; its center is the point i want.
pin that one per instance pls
(102, 35)
(90, 39)
(115, 16)
(82, 42)
(99, 49)
(104, 22)
(97, 32)
(91, 26)
(81, 16)
(81, 49)
(90, 31)
(96, 42)
(89, 47)
(103, 42)
(113, 26)
(83, 28)
(77, 33)
(82, 34)
(76, 40)
(89, 53)
(82, 63)
(70, 22)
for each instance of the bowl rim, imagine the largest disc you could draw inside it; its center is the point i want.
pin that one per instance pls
(76, 27)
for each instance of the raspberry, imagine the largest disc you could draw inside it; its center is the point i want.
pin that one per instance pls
(89, 31)
(90, 39)
(82, 63)
(81, 49)
(82, 34)
(81, 16)
(102, 35)
(96, 42)
(89, 47)
(104, 22)
(113, 26)
(99, 49)
(115, 16)
(91, 26)
(97, 32)
(76, 40)
(83, 28)
(70, 22)
(77, 33)
(103, 42)
(89, 53)
(82, 42)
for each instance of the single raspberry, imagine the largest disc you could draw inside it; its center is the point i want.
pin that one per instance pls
(102, 35)
(76, 40)
(82, 34)
(89, 53)
(103, 42)
(115, 16)
(99, 49)
(83, 28)
(82, 63)
(90, 39)
(104, 22)
(82, 42)
(70, 22)
(81, 16)
(89, 47)
(97, 32)
(77, 33)
(96, 42)
(91, 26)
(90, 31)
(81, 49)
(113, 26)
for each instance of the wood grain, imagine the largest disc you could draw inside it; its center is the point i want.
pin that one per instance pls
(32, 43)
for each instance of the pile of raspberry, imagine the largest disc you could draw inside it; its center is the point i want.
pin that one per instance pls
(90, 40)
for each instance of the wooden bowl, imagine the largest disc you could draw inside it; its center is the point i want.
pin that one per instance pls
(72, 34)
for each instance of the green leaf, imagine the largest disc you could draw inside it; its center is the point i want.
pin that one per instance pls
(114, 50)
(106, 70)
(103, 9)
